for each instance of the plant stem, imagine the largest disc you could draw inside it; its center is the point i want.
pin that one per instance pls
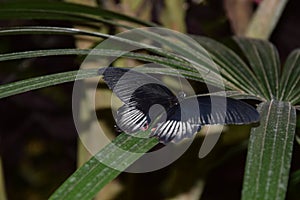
(265, 18)
(2, 186)
(239, 14)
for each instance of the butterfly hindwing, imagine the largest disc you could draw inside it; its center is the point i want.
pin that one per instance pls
(130, 119)
(185, 118)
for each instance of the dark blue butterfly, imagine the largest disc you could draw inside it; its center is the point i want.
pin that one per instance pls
(181, 119)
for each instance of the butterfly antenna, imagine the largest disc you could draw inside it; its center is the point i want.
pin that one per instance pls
(181, 94)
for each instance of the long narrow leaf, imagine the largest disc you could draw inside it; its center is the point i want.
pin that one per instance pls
(73, 31)
(99, 52)
(264, 60)
(196, 55)
(206, 67)
(233, 68)
(44, 81)
(290, 79)
(30, 84)
(270, 152)
(49, 30)
(93, 175)
(60, 10)
(180, 67)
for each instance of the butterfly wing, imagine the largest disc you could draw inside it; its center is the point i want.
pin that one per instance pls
(139, 92)
(184, 120)
(130, 85)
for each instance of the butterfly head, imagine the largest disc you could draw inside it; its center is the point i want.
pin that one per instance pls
(181, 95)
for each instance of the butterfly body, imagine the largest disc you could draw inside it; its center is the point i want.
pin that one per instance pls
(146, 99)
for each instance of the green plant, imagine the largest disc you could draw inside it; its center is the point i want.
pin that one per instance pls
(260, 77)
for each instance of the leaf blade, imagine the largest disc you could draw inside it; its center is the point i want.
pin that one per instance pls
(87, 181)
(290, 79)
(62, 11)
(30, 84)
(264, 61)
(233, 68)
(269, 153)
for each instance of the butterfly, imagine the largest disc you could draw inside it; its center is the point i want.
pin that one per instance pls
(180, 116)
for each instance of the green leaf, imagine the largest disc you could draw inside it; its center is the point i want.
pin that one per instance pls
(232, 67)
(22, 86)
(93, 175)
(43, 53)
(173, 60)
(70, 76)
(290, 79)
(49, 30)
(234, 94)
(30, 84)
(270, 152)
(100, 52)
(62, 11)
(186, 49)
(61, 30)
(264, 61)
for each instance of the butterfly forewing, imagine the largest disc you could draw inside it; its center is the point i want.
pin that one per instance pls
(139, 92)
